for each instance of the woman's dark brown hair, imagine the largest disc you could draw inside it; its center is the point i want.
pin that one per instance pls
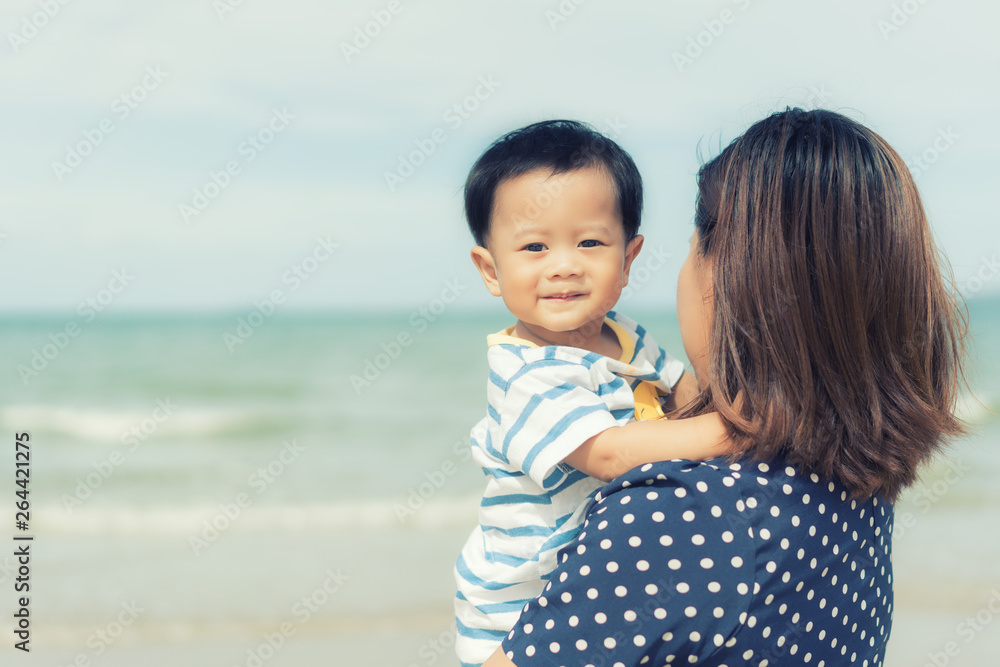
(835, 342)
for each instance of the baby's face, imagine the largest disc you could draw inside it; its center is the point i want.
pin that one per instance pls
(559, 250)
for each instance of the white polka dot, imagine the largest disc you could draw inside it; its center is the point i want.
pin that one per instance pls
(585, 570)
(771, 566)
(690, 612)
(716, 511)
(683, 587)
(549, 624)
(605, 544)
(680, 492)
(528, 628)
(702, 486)
(775, 511)
(581, 645)
(625, 500)
(543, 602)
(652, 495)
(751, 502)
(764, 533)
(737, 561)
(580, 549)
(621, 591)
(718, 612)
(651, 589)
(602, 525)
(697, 540)
(610, 643)
(574, 621)
(727, 537)
(592, 593)
(784, 543)
(554, 647)
(694, 636)
(529, 651)
(601, 618)
(639, 640)
(740, 506)
(666, 540)
(688, 515)
(728, 481)
(628, 518)
(787, 488)
(660, 613)
(706, 563)
(612, 566)
(634, 541)
(658, 516)
(566, 597)
(714, 586)
(805, 499)
(642, 565)
(630, 616)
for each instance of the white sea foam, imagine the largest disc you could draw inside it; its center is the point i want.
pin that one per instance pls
(104, 425)
(977, 409)
(438, 513)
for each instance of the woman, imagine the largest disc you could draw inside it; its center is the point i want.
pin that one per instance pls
(815, 316)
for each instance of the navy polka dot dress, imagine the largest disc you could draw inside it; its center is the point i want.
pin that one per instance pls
(711, 563)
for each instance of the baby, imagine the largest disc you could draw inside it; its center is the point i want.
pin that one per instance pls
(576, 391)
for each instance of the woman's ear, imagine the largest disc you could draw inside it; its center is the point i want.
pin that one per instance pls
(631, 252)
(483, 260)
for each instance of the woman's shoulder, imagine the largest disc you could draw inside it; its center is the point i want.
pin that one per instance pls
(747, 487)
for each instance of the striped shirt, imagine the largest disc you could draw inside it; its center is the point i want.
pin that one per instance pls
(543, 403)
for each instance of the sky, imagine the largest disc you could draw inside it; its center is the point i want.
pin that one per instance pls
(210, 155)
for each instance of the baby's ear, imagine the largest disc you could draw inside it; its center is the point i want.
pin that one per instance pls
(631, 252)
(483, 260)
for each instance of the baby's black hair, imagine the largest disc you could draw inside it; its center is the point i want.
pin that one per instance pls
(558, 145)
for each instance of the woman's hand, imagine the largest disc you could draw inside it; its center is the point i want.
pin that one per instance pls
(498, 659)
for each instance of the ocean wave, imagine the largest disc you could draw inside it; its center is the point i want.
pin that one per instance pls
(441, 513)
(109, 426)
(977, 409)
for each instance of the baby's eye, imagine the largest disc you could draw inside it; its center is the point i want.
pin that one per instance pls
(534, 247)
(590, 243)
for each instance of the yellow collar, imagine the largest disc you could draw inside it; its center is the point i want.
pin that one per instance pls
(506, 337)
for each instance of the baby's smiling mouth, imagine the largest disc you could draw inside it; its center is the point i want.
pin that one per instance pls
(564, 296)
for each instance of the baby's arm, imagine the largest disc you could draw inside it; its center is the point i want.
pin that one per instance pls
(618, 449)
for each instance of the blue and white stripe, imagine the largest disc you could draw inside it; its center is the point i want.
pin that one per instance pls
(543, 403)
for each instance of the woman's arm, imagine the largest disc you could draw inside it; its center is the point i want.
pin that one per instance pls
(657, 570)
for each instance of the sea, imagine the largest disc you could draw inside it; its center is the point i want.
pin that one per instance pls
(292, 490)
